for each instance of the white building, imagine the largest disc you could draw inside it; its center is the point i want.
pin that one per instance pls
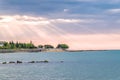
(1, 43)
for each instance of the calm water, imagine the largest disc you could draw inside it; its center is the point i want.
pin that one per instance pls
(94, 65)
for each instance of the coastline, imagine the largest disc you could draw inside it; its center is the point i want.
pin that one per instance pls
(30, 50)
(42, 50)
(83, 50)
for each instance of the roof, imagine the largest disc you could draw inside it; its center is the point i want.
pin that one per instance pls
(1, 42)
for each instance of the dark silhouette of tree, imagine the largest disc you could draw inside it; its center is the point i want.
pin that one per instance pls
(62, 46)
(48, 46)
(40, 46)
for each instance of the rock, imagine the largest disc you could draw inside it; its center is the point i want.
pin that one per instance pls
(38, 61)
(11, 62)
(19, 61)
(31, 62)
(45, 61)
(4, 63)
(61, 61)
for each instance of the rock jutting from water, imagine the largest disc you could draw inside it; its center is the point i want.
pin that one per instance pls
(4, 62)
(11, 62)
(18, 62)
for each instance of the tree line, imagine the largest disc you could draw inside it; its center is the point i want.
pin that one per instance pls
(30, 45)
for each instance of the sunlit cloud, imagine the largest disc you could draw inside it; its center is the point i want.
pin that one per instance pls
(66, 10)
(114, 11)
(83, 24)
(27, 27)
(42, 30)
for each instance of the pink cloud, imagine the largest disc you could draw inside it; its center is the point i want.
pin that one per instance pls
(42, 31)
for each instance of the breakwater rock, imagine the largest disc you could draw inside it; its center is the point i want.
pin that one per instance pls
(18, 62)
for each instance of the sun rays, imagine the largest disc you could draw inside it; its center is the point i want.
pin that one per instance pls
(47, 31)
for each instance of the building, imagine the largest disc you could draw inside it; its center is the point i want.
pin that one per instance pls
(1, 43)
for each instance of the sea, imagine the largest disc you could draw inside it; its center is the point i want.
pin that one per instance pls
(86, 65)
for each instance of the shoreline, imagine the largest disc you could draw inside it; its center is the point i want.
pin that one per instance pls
(84, 50)
(30, 50)
(42, 50)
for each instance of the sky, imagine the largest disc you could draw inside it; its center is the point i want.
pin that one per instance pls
(82, 24)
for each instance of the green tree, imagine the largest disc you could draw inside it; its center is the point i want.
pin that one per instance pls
(40, 46)
(6, 45)
(17, 45)
(48, 46)
(12, 45)
(30, 46)
(62, 46)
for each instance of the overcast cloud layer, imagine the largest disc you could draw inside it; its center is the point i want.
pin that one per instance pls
(62, 21)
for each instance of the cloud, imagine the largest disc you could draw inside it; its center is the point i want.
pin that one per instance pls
(46, 20)
(87, 0)
(114, 11)
(42, 20)
(42, 30)
(98, 1)
(66, 10)
(114, 1)
(69, 25)
(67, 20)
(46, 7)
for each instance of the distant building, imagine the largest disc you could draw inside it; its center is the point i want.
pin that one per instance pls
(1, 43)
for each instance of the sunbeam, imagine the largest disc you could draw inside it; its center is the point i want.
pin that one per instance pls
(42, 30)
